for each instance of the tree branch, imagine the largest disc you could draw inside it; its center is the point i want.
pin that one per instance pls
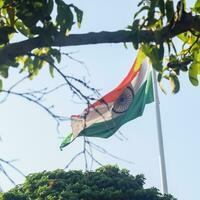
(187, 22)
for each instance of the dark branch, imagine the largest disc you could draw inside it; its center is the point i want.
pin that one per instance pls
(187, 22)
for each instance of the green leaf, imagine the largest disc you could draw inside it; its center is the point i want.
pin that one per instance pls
(4, 34)
(159, 78)
(184, 4)
(37, 65)
(196, 7)
(1, 85)
(4, 70)
(140, 3)
(193, 73)
(174, 83)
(196, 53)
(125, 45)
(51, 70)
(151, 12)
(169, 6)
(28, 64)
(162, 88)
(135, 30)
(161, 5)
(79, 15)
(183, 37)
(180, 10)
(23, 29)
(64, 17)
(161, 52)
(1, 3)
(50, 5)
(55, 53)
(153, 53)
(135, 24)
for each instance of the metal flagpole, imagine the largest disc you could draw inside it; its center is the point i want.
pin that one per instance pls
(160, 138)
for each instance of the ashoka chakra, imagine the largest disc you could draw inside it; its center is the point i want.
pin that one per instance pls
(123, 102)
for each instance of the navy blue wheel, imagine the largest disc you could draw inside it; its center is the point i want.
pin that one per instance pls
(122, 104)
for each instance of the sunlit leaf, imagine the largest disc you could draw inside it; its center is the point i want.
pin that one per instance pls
(187, 37)
(153, 53)
(174, 83)
(193, 73)
(23, 29)
(41, 51)
(162, 88)
(196, 55)
(1, 3)
(196, 7)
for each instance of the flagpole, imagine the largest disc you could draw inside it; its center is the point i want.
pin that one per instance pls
(160, 138)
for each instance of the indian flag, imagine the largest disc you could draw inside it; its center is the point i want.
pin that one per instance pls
(126, 102)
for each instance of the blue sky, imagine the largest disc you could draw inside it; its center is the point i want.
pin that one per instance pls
(29, 134)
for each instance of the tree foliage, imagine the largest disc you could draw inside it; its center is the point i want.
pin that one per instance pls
(33, 19)
(167, 20)
(107, 183)
(45, 26)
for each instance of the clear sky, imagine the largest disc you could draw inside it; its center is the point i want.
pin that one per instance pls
(29, 134)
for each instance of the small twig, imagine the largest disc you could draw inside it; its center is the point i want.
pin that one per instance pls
(104, 151)
(119, 138)
(84, 84)
(74, 89)
(6, 174)
(76, 60)
(18, 82)
(71, 161)
(12, 87)
(12, 166)
(72, 58)
(123, 135)
(95, 160)
(57, 118)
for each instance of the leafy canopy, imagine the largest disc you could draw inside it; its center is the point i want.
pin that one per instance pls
(31, 19)
(168, 20)
(159, 28)
(106, 183)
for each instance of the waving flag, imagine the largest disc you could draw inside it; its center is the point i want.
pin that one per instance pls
(126, 102)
